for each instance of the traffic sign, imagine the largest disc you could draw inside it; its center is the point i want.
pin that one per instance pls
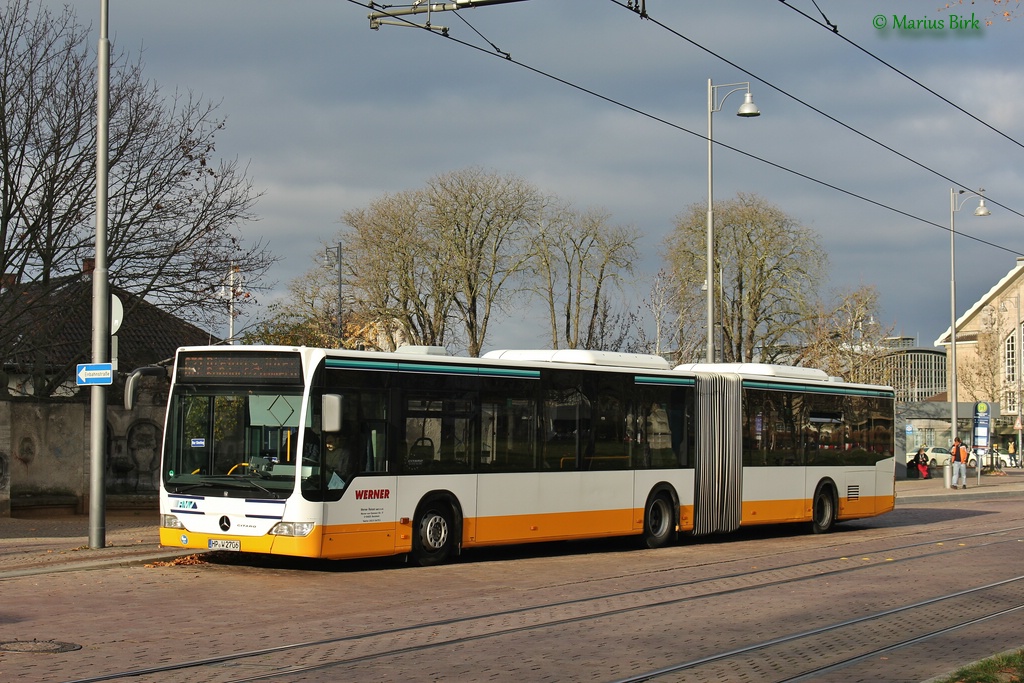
(95, 373)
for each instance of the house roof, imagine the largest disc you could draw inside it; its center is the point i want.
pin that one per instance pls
(991, 296)
(50, 326)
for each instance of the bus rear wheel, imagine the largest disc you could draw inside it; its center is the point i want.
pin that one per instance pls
(659, 522)
(434, 537)
(823, 512)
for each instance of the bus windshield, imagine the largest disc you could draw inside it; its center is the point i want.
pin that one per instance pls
(236, 441)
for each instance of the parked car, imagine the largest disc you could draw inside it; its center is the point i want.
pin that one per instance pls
(937, 455)
(986, 458)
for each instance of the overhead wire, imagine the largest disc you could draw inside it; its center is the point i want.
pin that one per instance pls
(816, 110)
(832, 28)
(507, 57)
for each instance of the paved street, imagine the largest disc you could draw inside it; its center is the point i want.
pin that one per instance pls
(133, 612)
(45, 543)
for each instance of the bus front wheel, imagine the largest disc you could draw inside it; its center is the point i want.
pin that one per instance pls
(659, 522)
(823, 512)
(434, 537)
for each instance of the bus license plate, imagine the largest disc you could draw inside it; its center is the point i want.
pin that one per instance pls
(218, 544)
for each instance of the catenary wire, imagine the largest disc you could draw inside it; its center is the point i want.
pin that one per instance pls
(507, 57)
(810, 106)
(832, 28)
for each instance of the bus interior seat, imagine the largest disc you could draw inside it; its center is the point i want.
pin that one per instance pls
(422, 449)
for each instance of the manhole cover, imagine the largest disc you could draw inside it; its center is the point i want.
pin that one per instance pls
(37, 646)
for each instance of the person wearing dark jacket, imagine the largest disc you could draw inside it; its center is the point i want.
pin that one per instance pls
(921, 463)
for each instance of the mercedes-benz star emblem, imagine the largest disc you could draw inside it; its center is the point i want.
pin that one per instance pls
(225, 523)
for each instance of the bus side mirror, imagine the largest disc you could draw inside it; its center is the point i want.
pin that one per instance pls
(330, 409)
(131, 383)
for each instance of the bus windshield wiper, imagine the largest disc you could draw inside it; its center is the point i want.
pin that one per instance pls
(233, 482)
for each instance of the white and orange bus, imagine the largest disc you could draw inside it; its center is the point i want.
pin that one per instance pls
(346, 454)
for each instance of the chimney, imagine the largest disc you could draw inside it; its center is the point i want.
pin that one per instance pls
(8, 280)
(88, 265)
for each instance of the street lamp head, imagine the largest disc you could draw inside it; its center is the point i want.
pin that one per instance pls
(982, 210)
(748, 108)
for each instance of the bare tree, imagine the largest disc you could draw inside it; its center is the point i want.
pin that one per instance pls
(579, 257)
(174, 210)
(845, 339)
(482, 223)
(674, 310)
(770, 270)
(305, 318)
(660, 305)
(616, 330)
(981, 372)
(434, 264)
(397, 272)
(1004, 10)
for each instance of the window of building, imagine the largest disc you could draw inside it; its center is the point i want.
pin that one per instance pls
(1010, 358)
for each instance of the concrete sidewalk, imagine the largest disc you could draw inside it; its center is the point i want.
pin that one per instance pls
(43, 544)
(1008, 482)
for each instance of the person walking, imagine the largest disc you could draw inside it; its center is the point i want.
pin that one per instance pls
(958, 456)
(1012, 453)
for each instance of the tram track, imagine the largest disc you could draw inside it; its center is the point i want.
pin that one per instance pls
(352, 649)
(838, 664)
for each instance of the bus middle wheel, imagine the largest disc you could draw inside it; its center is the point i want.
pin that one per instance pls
(823, 512)
(659, 522)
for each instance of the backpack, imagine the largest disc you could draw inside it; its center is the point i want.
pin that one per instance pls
(956, 453)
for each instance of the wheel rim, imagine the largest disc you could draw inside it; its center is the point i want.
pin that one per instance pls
(435, 532)
(659, 517)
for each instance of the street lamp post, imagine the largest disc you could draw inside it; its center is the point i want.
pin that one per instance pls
(982, 210)
(747, 109)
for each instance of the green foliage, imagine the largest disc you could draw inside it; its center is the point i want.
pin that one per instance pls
(286, 327)
(1008, 668)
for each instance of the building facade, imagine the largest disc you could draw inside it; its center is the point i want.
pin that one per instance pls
(916, 373)
(988, 355)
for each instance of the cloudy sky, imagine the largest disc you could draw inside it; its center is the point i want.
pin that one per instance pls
(609, 111)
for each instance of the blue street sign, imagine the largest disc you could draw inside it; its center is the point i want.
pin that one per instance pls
(95, 373)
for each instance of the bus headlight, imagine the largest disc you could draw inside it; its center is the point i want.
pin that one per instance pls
(292, 528)
(171, 522)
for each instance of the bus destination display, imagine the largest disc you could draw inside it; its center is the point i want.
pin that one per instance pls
(271, 368)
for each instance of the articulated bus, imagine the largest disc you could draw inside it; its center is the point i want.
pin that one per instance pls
(351, 454)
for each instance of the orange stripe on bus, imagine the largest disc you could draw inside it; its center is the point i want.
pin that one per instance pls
(379, 539)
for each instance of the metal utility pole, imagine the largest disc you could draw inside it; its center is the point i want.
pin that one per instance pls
(229, 292)
(337, 256)
(100, 301)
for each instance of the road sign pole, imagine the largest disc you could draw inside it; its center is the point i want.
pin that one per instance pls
(100, 299)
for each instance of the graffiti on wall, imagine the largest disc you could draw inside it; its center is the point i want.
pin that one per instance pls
(133, 465)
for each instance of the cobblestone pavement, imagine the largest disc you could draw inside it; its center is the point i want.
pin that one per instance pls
(34, 547)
